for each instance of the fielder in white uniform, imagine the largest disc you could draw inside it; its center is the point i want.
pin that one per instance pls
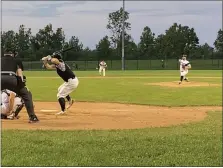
(102, 66)
(11, 104)
(184, 66)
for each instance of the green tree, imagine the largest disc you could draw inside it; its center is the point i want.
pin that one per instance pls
(8, 40)
(160, 46)
(131, 50)
(147, 43)
(75, 42)
(58, 39)
(23, 38)
(103, 48)
(115, 25)
(44, 37)
(24, 44)
(77, 51)
(219, 42)
(180, 39)
(203, 52)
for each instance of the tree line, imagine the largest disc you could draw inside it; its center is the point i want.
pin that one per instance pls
(177, 40)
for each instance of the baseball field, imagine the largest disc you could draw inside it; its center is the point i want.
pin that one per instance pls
(128, 118)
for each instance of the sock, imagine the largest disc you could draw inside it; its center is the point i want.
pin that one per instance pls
(68, 98)
(181, 78)
(62, 103)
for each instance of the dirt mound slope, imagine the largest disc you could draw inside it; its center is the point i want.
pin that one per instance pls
(184, 84)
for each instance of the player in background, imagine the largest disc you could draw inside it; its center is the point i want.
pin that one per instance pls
(102, 66)
(184, 66)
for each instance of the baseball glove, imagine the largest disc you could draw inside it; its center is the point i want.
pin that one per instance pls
(183, 66)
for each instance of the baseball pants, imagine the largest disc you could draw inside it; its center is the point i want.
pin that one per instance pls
(183, 73)
(67, 87)
(103, 70)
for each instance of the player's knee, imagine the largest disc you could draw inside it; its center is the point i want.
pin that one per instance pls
(59, 95)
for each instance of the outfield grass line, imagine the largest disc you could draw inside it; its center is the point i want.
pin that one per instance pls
(130, 77)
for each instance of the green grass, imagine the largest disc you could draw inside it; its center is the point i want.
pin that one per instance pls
(197, 144)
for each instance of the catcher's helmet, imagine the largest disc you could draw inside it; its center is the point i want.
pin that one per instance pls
(57, 55)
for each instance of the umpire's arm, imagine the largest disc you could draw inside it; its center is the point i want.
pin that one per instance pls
(20, 69)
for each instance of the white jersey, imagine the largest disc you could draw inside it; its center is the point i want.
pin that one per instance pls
(183, 63)
(102, 64)
(5, 101)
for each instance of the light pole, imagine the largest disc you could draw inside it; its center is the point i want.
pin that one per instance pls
(123, 38)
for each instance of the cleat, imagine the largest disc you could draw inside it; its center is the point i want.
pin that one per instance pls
(61, 113)
(33, 119)
(70, 104)
(11, 116)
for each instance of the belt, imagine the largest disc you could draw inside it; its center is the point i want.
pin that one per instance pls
(73, 77)
(8, 73)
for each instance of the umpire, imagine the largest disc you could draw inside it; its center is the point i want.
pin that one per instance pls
(12, 79)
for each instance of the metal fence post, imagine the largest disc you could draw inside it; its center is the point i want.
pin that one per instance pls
(111, 64)
(137, 64)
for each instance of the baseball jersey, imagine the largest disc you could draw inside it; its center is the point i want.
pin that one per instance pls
(64, 71)
(5, 100)
(103, 64)
(183, 63)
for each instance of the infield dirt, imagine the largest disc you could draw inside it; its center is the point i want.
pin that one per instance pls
(104, 116)
(184, 84)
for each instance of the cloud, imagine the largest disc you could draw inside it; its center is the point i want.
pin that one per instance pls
(88, 19)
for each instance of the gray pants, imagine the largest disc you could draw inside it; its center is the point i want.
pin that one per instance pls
(10, 83)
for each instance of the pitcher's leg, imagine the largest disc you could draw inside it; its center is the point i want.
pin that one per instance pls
(100, 69)
(181, 76)
(103, 71)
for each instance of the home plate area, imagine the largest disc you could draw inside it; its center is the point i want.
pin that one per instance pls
(105, 116)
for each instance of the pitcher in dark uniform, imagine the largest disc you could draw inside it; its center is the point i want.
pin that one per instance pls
(70, 80)
(12, 79)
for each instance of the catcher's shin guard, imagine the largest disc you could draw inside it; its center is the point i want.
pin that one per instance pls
(18, 109)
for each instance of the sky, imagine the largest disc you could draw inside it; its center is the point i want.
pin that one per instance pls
(88, 19)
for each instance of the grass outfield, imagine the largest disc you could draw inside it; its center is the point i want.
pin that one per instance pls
(197, 144)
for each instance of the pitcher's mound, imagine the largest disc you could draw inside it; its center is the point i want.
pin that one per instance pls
(85, 115)
(184, 84)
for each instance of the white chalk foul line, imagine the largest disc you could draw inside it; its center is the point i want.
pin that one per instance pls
(48, 110)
